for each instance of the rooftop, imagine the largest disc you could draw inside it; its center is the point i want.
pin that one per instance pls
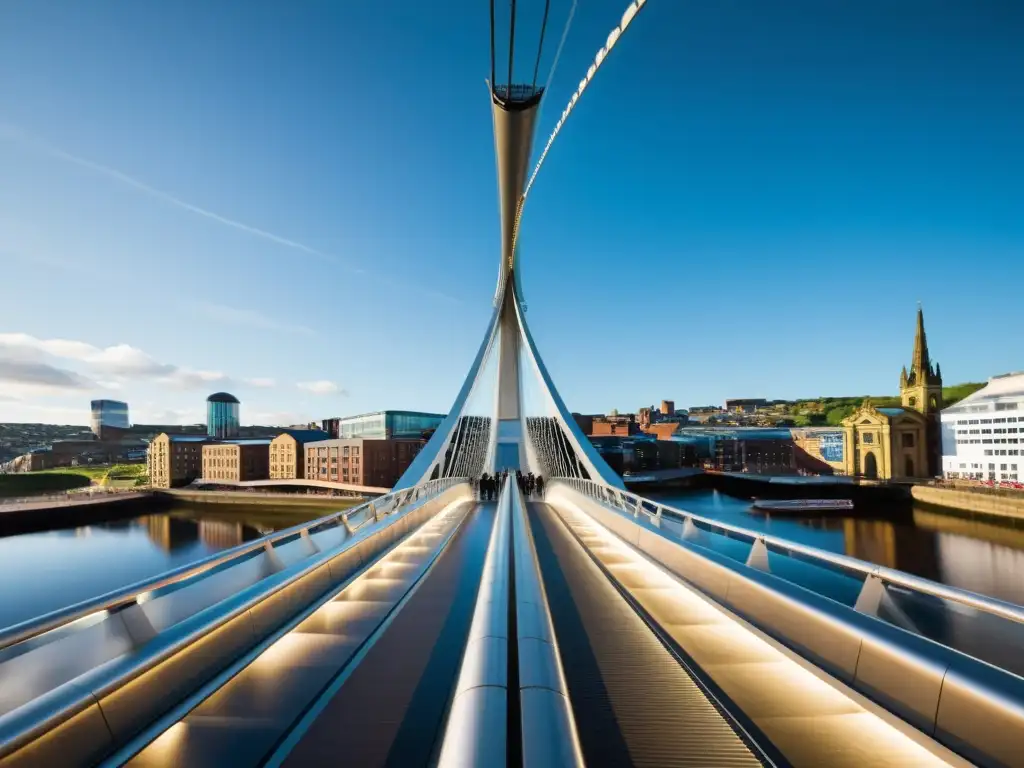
(306, 435)
(392, 413)
(222, 397)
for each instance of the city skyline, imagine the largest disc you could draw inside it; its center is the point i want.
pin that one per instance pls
(190, 222)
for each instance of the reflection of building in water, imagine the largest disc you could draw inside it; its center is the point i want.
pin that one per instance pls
(902, 547)
(170, 533)
(981, 566)
(158, 528)
(218, 535)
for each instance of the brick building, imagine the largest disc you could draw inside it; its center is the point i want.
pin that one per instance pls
(174, 460)
(236, 460)
(358, 461)
(288, 452)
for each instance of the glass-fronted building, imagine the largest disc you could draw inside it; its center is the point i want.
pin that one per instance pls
(222, 415)
(386, 425)
(108, 413)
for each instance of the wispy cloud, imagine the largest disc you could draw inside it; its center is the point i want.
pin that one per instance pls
(27, 139)
(124, 178)
(261, 383)
(322, 387)
(246, 318)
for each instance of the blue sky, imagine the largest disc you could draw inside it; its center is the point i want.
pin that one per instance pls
(297, 202)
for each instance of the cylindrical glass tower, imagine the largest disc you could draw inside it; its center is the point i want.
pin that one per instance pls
(222, 415)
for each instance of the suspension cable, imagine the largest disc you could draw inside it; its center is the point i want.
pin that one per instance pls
(511, 48)
(630, 13)
(540, 47)
(492, 43)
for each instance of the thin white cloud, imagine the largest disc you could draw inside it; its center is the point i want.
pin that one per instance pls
(261, 383)
(321, 387)
(124, 178)
(247, 318)
(38, 144)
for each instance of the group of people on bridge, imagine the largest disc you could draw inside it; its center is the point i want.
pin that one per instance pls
(529, 484)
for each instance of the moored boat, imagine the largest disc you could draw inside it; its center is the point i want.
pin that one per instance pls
(792, 506)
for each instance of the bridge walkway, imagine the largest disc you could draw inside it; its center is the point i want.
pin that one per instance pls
(786, 709)
(633, 702)
(367, 674)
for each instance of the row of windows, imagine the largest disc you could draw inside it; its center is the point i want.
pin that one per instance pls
(1002, 452)
(334, 451)
(1010, 419)
(988, 441)
(221, 462)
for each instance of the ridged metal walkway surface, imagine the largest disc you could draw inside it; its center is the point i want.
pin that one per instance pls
(391, 709)
(634, 704)
(379, 706)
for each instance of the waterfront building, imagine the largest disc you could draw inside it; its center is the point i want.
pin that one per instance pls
(360, 461)
(668, 408)
(614, 425)
(902, 442)
(760, 456)
(174, 460)
(288, 452)
(109, 418)
(384, 425)
(222, 416)
(983, 434)
(236, 460)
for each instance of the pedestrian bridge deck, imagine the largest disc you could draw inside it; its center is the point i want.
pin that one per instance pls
(569, 639)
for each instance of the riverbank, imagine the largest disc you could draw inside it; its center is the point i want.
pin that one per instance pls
(997, 505)
(255, 498)
(77, 509)
(73, 510)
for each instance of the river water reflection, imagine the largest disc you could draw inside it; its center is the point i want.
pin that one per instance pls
(981, 556)
(42, 572)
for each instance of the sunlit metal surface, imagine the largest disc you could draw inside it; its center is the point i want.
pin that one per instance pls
(131, 653)
(938, 690)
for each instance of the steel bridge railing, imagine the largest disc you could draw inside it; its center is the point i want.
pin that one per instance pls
(352, 519)
(655, 512)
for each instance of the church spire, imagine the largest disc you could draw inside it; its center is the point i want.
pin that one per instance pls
(920, 366)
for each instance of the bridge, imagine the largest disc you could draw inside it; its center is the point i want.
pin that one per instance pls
(586, 626)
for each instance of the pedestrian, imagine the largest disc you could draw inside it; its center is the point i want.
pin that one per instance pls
(540, 486)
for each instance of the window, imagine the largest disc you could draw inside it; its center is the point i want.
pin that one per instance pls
(869, 437)
(908, 439)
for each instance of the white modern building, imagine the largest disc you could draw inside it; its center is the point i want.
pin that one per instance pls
(983, 434)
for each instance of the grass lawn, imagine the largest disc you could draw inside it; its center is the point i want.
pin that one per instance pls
(68, 478)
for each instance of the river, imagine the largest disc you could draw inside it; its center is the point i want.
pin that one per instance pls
(42, 572)
(960, 550)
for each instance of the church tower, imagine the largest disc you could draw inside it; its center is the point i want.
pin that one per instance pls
(921, 387)
(921, 390)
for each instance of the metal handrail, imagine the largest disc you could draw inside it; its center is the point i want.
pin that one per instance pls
(48, 622)
(640, 504)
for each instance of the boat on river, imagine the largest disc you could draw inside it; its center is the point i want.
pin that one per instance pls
(800, 506)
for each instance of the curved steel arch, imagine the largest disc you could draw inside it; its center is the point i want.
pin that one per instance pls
(514, 114)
